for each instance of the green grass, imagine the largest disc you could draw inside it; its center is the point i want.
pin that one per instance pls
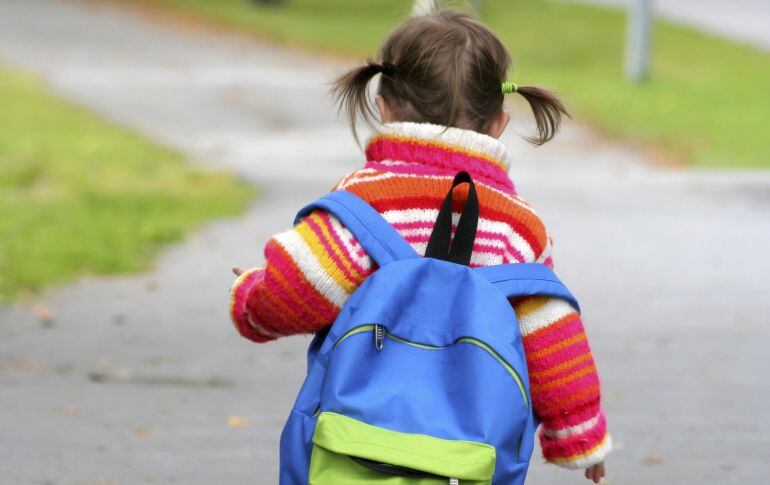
(707, 104)
(80, 196)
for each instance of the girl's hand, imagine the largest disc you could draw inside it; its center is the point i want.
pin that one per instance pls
(238, 270)
(595, 472)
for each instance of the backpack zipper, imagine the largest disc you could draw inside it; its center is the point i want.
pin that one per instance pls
(379, 336)
(399, 471)
(380, 332)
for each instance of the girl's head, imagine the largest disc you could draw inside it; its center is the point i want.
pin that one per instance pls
(444, 68)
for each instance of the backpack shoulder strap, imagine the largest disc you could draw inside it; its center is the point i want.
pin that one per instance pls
(378, 238)
(527, 279)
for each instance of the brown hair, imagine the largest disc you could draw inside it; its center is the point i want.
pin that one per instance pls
(445, 68)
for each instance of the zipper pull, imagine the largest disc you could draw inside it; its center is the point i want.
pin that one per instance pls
(454, 481)
(379, 336)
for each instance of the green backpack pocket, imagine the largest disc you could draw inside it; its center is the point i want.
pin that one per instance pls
(350, 452)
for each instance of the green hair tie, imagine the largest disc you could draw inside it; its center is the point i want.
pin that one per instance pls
(509, 87)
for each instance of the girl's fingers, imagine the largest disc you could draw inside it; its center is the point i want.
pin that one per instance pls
(595, 473)
(599, 472)
(238, 270)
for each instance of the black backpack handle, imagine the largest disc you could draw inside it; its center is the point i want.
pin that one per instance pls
(461, 246)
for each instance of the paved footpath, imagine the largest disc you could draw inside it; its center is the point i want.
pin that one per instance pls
(136, 377)
(745, 21)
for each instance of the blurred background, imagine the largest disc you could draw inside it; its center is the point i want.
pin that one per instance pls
(147, 146)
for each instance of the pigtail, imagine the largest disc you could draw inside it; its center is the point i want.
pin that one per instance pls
(547, 109)
(449, 69)
(350, 92)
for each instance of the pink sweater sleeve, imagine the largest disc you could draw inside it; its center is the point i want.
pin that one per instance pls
(564, 382)
(310, 271)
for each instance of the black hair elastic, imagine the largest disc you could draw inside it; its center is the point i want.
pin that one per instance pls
(388, 69)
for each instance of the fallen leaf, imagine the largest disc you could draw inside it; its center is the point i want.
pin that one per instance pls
(43, 313)
(652, 460)
(238, 422)
(143, 431)
(72, 411)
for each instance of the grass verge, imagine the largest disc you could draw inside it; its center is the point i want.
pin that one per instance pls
(706, 104)
(79, 195)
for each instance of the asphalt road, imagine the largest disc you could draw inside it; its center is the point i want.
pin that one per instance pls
(142, 379)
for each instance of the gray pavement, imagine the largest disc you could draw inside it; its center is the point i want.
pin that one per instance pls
(744, 21)
(135, 378)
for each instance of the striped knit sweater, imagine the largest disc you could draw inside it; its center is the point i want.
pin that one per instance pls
(312, 269)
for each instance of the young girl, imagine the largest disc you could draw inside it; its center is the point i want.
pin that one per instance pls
(440, 100)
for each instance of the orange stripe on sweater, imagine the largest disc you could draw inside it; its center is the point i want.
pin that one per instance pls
(264, 312)
(555, 348)
(433, 191)
(552, 371)
(304, 289)
(329, 266)
(550, 385)
(495, 206)
(570, 401)
(355, 277)
(530, 305)
(283, 312)
(309, 313)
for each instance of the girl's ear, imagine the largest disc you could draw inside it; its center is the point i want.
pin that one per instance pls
(499, 123)
(386, 115)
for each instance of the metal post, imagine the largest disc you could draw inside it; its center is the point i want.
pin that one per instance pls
(638, 44)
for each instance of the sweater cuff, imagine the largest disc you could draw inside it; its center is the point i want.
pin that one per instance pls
(579, 446)
(239, 294)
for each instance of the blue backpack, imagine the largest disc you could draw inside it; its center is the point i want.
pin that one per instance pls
(422, 378)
